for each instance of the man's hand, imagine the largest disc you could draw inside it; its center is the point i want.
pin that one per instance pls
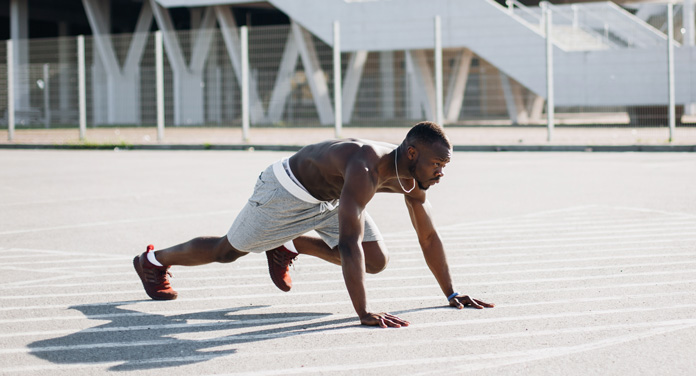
(460, 301)
(382, 319)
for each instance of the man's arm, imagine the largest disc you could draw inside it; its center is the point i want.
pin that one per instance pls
(358, 190)
(434, 251)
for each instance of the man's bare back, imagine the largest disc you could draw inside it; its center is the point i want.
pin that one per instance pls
(321, 167)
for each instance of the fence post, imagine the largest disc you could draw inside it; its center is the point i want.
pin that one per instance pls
(10, 92)
(245, 82)
(81, 85)
(439, 112)
(159, 77)
(46, 95)
(549, 75)
(338, 97)
(670, 69)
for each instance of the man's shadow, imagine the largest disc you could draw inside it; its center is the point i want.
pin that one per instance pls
(139, 340)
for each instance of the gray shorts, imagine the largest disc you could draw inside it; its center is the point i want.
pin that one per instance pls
(273, 216)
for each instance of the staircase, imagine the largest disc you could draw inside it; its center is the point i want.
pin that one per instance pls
(604, 55)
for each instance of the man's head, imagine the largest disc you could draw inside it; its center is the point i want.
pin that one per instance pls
(428, 150)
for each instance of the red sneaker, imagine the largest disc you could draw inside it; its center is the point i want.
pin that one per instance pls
(155, 278)
(279, 261)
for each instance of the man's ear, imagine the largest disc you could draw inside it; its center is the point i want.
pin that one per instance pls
(411, 152)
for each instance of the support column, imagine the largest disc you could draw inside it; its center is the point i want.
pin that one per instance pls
(116, 89)
(315, 75)
(228, 29)
(188, 78)
(513, 100)
(457, 85)
(386, 74)
(10, 91)
(423, 85)
(66, 92)
(354, 71)
(19, 34)
(100, 13)
(282, 88)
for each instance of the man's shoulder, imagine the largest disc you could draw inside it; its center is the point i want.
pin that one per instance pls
(364, 148)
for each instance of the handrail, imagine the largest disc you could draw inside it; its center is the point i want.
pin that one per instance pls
(576, 24)
(637, 21)
(511, 8)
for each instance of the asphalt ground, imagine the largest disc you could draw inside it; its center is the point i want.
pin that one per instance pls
(590, 259)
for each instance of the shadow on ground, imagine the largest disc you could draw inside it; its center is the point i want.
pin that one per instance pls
(138, 340)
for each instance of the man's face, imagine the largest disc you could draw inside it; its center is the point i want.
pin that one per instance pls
(428, 162)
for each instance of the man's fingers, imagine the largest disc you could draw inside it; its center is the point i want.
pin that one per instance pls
(397, 321)
(465, 300)
(489, 305)
(383, 320)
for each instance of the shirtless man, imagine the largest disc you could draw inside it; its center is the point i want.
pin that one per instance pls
(300, 194)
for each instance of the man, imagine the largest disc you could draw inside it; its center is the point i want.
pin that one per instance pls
(302, 193)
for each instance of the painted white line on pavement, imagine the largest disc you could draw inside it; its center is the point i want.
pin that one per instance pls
(88, 198)
(99, 260)
(245, 278)
(645, 210)
(558, 239)
(434, 298)
(562, 236)
(101, 268)
(379, 300)
(116, 222)
(655, 328)
(423, 268)
(554, 352)
(497, 220)
(312, 318)
(564, 225)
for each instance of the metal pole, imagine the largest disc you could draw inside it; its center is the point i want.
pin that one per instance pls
(439, 112)
(690, 28)
(10, 92)
(46, 96)
(245, 83)
(549, 76)
(338, 97)
(159, 76)
(81, 85)
(670, 69)
(689, 40)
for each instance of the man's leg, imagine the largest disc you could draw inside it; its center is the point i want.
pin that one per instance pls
(199, 251)
(154, 271)
(376, 254)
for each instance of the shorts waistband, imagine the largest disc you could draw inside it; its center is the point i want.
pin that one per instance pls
(291, 186)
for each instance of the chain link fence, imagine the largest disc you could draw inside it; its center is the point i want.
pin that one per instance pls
(291, 79)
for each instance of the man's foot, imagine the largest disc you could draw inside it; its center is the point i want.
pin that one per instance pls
(279, 261)
(155, 278)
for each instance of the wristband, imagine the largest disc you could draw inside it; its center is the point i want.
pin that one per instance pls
(452, 296)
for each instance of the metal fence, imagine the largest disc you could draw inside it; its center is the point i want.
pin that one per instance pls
(202, 85)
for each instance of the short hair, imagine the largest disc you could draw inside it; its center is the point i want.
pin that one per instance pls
(427, 132)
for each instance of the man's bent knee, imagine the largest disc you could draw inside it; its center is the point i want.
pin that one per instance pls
(226, 253)
(376, 257)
